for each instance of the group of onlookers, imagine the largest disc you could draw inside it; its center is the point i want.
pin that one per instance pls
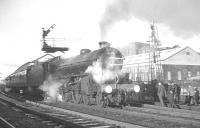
(193, 96)
(171, 93)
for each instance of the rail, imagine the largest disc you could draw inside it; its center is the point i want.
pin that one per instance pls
(5, 124)
(43, 116)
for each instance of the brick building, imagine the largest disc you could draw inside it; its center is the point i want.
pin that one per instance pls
(180, 65)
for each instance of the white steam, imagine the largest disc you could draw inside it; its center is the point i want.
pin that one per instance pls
(51, 87)
(181, 16)
(99, 74)
(7, 89)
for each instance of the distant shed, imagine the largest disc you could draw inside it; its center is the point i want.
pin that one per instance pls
(179, 65)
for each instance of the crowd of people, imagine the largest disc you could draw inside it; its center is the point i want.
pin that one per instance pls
(193, 96)
(170, 93)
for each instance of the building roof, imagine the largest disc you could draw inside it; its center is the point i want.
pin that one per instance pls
(144, 58)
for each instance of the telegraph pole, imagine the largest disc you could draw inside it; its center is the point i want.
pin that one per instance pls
(155, 66)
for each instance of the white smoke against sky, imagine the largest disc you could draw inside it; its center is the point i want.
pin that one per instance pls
(181, 16)
(51, 87)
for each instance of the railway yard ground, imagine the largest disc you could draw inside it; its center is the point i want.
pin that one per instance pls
(15, 118)
(152, 116)
(71, 119)
(147, 116)
(182, 106)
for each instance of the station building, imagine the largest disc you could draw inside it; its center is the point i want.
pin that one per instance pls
(179, 65)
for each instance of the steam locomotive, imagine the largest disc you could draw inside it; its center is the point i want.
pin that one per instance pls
(89, 78)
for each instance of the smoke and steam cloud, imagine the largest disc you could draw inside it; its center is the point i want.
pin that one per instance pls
(51, 86)
(104, 69)
(181, 16)
(99, 74)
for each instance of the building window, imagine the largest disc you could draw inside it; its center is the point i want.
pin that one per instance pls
(169, 76)
(187, 53)
(189, 74)
(198, 73)
(179, 75)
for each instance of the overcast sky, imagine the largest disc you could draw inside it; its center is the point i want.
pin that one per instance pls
(83, 23)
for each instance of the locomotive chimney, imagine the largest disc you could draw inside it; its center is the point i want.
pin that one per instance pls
(103, 44)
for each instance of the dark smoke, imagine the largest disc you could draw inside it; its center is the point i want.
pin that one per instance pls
(181, 16)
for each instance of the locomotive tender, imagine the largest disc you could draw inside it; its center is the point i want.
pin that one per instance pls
(77, 85)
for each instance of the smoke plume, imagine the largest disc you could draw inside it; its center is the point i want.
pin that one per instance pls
(181, 16)
(105, 69)
(99, 74)
(51, 87)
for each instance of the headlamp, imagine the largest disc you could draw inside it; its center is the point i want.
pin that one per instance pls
(136, 88)
(108, 89)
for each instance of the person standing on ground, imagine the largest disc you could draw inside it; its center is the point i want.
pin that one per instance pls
(196, 96)
(170, 94)
(177, 91)
(161, 93)
(191, 95)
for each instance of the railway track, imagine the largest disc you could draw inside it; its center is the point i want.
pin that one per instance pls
(44, 119)
(60, 118)
(5, 124)
(147, 116)
(171, 112)
(117, 124)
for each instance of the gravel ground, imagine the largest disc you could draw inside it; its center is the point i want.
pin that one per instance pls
(135, 117)
(140, 118)
(186, 107)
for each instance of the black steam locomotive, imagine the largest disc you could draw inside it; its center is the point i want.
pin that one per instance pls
(78, 78)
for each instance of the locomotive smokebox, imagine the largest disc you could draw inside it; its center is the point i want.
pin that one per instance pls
(111, 59)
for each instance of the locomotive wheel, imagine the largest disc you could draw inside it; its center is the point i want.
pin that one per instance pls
(100, 101)
(77, 97)
(68, 96)
(105, 103)
(86, 99)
